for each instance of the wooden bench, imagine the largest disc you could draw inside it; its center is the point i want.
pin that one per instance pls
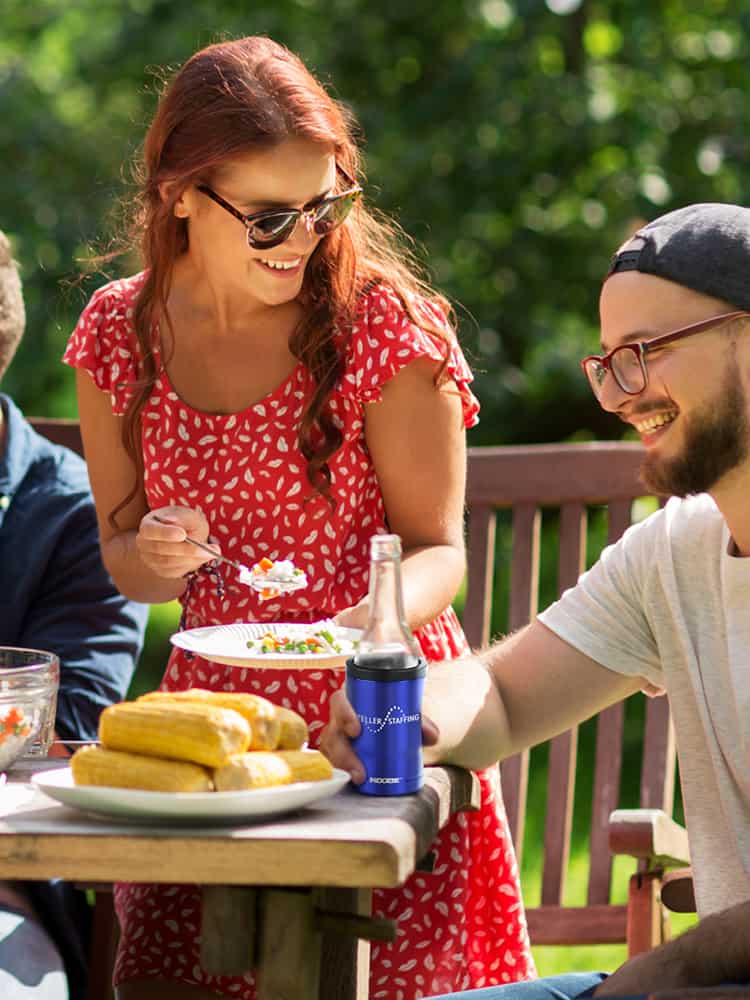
(570, 480)
(59, 431)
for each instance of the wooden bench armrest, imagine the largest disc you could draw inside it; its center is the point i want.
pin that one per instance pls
(650, 835)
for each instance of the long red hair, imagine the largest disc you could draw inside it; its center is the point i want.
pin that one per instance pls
(233, 98)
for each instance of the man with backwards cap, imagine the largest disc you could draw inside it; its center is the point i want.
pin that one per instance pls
(669, 604)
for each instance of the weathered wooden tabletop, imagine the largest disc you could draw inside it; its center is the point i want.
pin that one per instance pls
(278, 894)
(347, 840)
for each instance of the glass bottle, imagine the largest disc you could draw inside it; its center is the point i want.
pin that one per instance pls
(387, 639)
(385, 681)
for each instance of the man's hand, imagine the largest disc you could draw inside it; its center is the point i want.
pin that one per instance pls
(711, 953)
(660, 969)
(343, 726)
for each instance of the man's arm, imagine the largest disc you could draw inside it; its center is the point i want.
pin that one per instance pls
(715, 951)
(480, 709)
(519, 692)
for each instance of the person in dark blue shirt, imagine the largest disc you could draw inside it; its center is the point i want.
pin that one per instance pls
(55, 594)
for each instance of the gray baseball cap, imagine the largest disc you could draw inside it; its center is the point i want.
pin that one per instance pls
(705, 247)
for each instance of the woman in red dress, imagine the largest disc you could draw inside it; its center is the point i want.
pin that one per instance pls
(277, 381)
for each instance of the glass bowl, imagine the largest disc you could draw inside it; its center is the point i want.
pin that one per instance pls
(29, 681)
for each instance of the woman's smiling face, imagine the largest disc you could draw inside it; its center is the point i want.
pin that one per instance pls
(293, 174)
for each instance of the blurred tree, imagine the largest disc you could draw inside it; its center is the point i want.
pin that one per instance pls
(518, 141)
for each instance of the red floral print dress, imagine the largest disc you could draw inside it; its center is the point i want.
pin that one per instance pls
(461, 926)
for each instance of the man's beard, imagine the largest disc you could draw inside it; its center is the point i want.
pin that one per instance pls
(716, 441)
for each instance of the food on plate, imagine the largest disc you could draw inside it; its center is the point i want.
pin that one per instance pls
(294, 732)
(322, 642)
(199, 733)
(273, 578)
(15, 729)
(262, 715)
(119, 769)
(199, 741)
(263, 770)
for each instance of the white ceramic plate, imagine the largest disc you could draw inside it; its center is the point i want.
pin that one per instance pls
(227, 644)
(215, 807)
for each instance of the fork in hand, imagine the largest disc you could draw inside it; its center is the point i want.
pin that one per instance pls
(240, 567)
(255, 581)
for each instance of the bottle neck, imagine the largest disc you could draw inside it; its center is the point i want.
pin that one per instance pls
(387, 635)
(386, 599)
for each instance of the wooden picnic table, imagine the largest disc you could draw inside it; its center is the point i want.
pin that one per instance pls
(290, 897)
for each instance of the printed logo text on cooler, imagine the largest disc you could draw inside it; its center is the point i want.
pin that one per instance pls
(395, 716)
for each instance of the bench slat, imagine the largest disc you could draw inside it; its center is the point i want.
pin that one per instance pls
(577, 925)
(524, 570)
(481, 543)
(563, 749)
(606, 796)
(658, 769)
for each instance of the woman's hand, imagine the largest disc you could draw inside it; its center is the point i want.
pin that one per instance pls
(161, 541)
(353, 617)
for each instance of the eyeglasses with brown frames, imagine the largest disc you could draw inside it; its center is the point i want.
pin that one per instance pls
(274, 226)
(627, 363)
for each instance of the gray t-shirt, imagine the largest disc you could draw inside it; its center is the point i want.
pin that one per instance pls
(669, 603)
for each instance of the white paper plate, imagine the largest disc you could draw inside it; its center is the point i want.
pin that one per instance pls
(227, 644)
(216, 807)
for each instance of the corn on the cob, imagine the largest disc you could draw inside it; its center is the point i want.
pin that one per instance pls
(293, 729)
(262, 770)
(199, 733)
(118, 769)
(261, 714)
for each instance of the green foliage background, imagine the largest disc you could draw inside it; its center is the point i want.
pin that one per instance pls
(517, 146)
(517, 143)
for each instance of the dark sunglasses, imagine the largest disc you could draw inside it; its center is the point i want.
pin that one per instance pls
(271, 228)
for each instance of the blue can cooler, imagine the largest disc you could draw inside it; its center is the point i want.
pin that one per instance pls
(388, 701)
